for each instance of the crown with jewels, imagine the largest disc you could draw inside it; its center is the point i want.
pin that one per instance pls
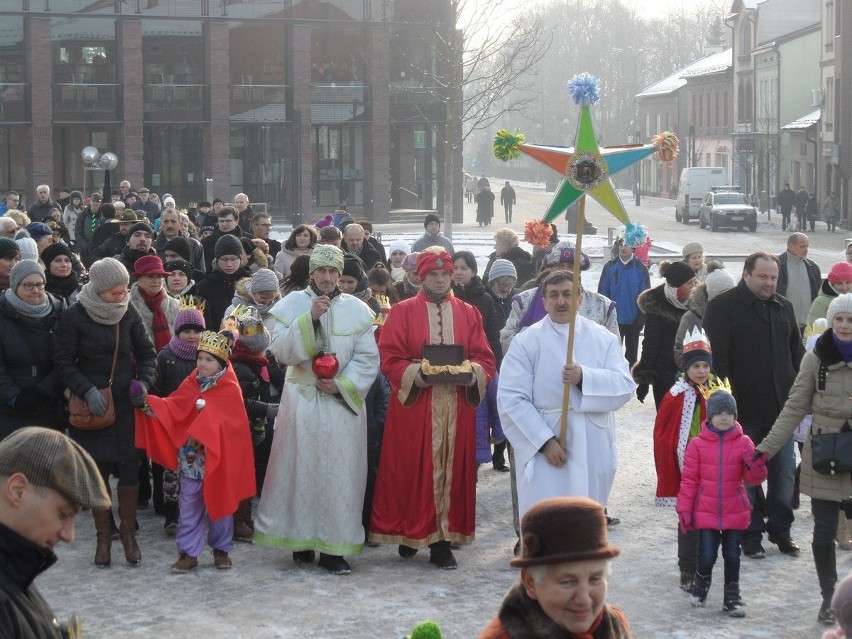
(192, 303)
(217, 344)
(244, 320)
(715, 384)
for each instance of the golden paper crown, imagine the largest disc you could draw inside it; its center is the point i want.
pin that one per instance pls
(715, 384)
(244, 320)
(217, 344)
(192, 303)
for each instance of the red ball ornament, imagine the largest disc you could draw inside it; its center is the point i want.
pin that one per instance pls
(325, 365)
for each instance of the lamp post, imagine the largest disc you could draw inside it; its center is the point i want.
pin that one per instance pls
(94, 160)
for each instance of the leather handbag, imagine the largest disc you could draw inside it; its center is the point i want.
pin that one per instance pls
(78, 409)
(831, 453)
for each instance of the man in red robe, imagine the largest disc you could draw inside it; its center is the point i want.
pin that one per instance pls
(426, 486)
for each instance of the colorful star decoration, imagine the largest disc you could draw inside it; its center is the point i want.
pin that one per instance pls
(586, 168)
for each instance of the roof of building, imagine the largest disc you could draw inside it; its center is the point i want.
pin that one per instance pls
(804, 122)
(712, 63)
(777, 18)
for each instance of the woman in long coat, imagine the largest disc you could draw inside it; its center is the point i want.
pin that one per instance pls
(85, 344)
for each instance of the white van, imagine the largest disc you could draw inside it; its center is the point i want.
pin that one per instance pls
(695, 182)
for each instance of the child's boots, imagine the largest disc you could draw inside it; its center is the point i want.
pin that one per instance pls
(700, 587)
(733, 605)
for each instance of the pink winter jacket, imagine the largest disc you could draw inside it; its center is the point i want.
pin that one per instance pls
(711, 487)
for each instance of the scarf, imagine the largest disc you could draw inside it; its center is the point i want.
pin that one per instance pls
(671, 295)
(845, 348)
(63, 287)
(206, 383)
(159, 324)
(242, 353)
(101, 311)
(183, 350)
(436, 298)
(523, 618)
(319, 293)
(35, 311)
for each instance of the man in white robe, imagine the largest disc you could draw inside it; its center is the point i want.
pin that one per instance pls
(313, 493)
(529, 399)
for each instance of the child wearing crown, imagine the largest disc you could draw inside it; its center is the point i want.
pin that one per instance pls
(202, 430)
(712, 499)
(679, 420)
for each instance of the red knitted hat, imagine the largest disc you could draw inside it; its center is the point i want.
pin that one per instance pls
(840, 272)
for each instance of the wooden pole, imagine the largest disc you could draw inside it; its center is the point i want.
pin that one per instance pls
(575, 292)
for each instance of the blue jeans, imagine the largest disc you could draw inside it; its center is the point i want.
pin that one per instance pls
(779, 497)
(708, 550)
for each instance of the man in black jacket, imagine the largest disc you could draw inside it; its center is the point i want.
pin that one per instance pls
(227, 224)
(757, 346)
(786, 200)
(45, 479)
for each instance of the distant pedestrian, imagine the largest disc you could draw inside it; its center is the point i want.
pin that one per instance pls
(831, 211)
(508, 200)
(786, 200)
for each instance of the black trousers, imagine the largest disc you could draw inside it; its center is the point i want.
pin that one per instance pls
(630, 339)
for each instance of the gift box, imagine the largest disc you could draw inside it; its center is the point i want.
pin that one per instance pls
(445, 364)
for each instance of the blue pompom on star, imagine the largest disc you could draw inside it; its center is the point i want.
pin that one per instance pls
(585, 89)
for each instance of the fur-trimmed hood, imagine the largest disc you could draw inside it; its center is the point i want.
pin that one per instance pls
(654, 302)
(697, 300)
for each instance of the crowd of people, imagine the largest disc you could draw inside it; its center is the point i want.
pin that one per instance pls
(372, 382)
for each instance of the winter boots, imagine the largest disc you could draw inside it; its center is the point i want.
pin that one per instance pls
(732, 604)
(170, 510)
(103, 558)
(184, 564)
(498, 459)
(686, 577)
(700, 588)
(243, 525)
(221, 560)
(826, 568)
(127, 502)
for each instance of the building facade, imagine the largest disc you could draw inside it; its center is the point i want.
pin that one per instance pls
(301, 105)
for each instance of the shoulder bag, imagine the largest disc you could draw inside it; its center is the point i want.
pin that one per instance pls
(831, 453)
(78, 409)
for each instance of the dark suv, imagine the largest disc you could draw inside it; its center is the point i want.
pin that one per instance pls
(727, 209)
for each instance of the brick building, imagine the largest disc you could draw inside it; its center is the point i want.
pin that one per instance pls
(303, 105)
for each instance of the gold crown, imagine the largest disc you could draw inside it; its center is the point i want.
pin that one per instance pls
(217, 344)
(713, 385)
(244, 320)
(192, 303)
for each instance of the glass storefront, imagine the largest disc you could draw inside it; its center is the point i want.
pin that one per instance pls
(68, 142)
(175, 83)
(13, 87)
(174, 161)
(338, 165)
(258, 155)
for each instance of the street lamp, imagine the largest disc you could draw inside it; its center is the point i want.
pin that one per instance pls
(94, 160)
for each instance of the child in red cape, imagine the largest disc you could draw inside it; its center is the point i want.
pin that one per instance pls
(202, 431)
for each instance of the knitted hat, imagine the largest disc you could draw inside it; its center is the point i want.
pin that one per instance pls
(696, 348)
(563, 529)
(502, 268)
(38, 230)
(841, 604)
(676, 273)
(718, 281)
(431, 217)
(107, 274)
(228, 245)
(76, 194)
(52, 251)
(409, 264)
(139, 226)
(180, 265)
(190, 315)
(692, 247)
(840, 304)
(840, 272)
(563, 253)
(468, 258)
(8, 247)
(432, 259)
(398, 245)
(169, 199)
(28, 249)
(721, 401)
(51, 459)
(181, 246)
(21, 270)
(353, 266)
(263, 281)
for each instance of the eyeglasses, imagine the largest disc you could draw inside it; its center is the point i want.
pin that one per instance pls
(31, 286)
(229, 260)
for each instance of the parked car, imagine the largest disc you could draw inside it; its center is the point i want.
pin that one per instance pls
(695, 181)
(727, 209)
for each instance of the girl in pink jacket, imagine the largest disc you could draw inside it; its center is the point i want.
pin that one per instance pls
(713, 499)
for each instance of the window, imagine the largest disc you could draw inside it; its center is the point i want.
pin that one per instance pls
(717, 109)
(725, 106)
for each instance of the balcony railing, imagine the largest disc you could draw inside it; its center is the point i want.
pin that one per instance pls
(85, 102)
(258, 103)
(335, 103)
(180, 101)
(13, 102)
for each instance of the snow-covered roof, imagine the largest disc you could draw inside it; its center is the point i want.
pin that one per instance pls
(712, 63)
(804, 122)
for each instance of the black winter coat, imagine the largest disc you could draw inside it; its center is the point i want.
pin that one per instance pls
(84, 351)
(476, 295)
(209, 245)
(217, 290)
(171, 371)
(520, 258)
(27, 371)
(758, 347)
(657, 364)
(24, 614)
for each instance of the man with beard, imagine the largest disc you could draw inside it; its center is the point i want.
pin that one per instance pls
(425, 490)
(318, 464)
(169, 230)
(139, 244)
